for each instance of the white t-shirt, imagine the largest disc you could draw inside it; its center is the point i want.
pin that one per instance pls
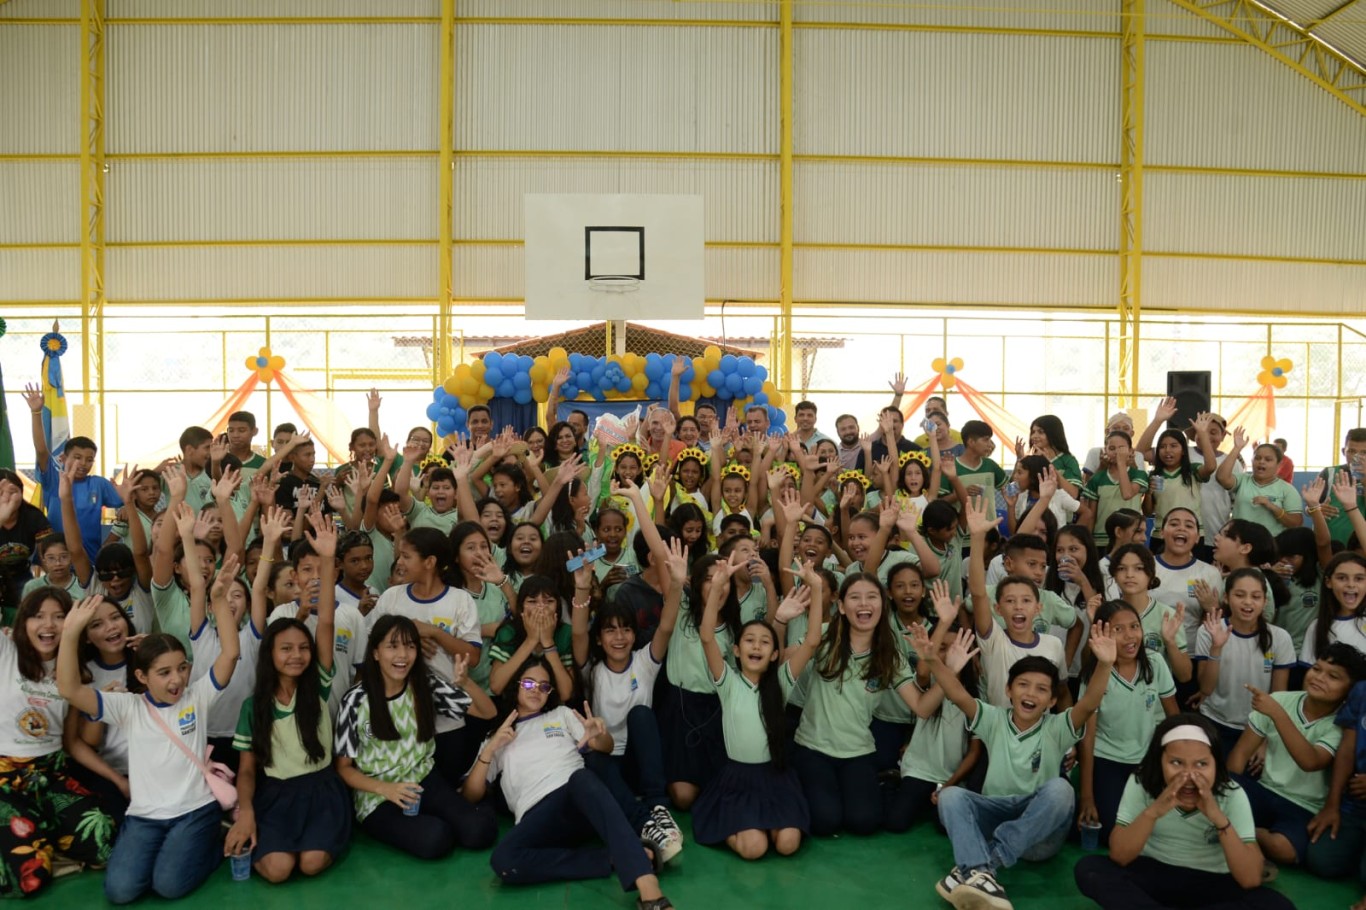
(1216, 503)
(137, 606)
(615, 694)
(345, 598)
(33, 712)
(164, 782)
(453, 612)
(207, 646)
(114, 748)
(999, 654)
(348, 645)
(1350, 630)
(1242, 663)
(1177, 586)
(540, 760)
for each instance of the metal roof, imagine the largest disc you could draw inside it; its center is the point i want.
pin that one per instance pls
(1341, 24)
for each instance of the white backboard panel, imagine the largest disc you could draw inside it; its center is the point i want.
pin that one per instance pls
(655, 241)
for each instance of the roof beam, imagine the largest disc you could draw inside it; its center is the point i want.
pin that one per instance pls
(1289, 43)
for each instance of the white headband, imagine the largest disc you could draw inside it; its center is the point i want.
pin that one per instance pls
(1186, 732)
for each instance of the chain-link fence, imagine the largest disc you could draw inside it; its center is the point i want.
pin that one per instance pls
(168, 369)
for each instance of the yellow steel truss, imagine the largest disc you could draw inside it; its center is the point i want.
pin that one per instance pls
(1131, 199)
(92, 207)
(1291, 44)
(782, 341)
(441, 345)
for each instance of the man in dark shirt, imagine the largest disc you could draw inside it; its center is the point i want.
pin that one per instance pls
(889, 438)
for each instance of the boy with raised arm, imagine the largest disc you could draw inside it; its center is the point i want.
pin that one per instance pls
(1025, 809)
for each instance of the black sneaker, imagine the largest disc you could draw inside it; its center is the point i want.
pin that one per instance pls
(980, 891)
(659, 903)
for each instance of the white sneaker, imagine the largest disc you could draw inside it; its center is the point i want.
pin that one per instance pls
(948, 883)
(662, 831)
(980, 891)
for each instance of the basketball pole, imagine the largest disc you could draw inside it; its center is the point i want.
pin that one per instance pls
(782, 338)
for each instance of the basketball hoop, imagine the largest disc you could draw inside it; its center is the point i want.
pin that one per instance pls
(614, 284)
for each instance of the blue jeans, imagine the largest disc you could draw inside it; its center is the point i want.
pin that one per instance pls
(641, 764)
(170, 856)
(1031, 827)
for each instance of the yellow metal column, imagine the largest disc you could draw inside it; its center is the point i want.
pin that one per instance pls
(782, 338)
(441, 344)
(92, 212)
(1131, 199)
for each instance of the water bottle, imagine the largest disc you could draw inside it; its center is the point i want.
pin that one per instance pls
(1158, 483)
(1012, 489)
(930, 427)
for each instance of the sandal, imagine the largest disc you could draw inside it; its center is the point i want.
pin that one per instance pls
(659, 903)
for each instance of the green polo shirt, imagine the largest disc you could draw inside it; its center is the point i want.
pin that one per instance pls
(1281, 774)
(838, 711)
(1022, 761)
(1188, 839)
(742, 721)
(1130, 712)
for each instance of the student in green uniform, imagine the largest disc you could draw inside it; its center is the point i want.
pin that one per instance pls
(1025, 808)
(1175, 483)
(171, 563)
(1260, 496)
(1119, 485)
(977, 472)
(757, 798)
(486, 583)
(1141, 693)
(856, 664)
(1135, 573)
(1185, 835)
(1301, 739)
(535, 629)
(1048, 438)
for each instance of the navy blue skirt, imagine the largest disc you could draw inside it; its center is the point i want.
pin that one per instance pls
(746, 797)
(309, 812)
(690, 732)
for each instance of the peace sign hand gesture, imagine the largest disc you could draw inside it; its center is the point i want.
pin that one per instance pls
(593, 727)
(500, 739)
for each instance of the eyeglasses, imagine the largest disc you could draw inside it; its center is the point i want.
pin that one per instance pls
(112, 574)
(530, 684)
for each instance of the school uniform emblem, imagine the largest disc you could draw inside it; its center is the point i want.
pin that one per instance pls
(188, 720)
(343, 643)
(1152, 641)
(553, 730)
(33, 723)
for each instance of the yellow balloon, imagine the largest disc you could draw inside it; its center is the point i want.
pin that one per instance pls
(451, 386)
(776, 399)
(467, 401)
(558, 353)
(712, 353)
(477, 369)
(485, 393)
(639, 381)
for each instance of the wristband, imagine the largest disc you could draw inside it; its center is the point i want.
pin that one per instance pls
(487, 761)
(584, 605)
(499, 584)
(1227, 824)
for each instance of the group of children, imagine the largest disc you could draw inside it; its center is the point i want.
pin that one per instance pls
(787, 635)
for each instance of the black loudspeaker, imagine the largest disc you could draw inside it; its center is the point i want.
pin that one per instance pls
(1190, 388)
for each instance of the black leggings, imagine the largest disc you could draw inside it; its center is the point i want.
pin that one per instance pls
(843, 793)
(1146, 884)
(445, 820)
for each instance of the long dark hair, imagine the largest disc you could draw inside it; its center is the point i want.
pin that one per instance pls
(518, 477)
(1106, 614)
(1053, 431)
(30, 664)
(562, 515)
(91, 654)
(772, 706)
(483, 504)
(1184, 465)
(1149, 772)
(555, 552)
(835, 650)
(459, 534)
(371, 677)
(509, 699)
(308, 702)
(1300, 542)
(532, 586)
(550, 455)
(686, 512)
(1263, 628)
(1329, 605)
(608, 615)
(1261, 552)
(697, 600)
(431, 543)
(1054, 582)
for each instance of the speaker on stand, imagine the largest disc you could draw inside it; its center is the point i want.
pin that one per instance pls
(1191, 389)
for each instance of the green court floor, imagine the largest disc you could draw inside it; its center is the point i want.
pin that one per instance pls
(889, 870)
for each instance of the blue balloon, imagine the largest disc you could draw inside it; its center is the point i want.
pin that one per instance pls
(716, 379)
(445, 426)
(584, 379)
(652, 390)
(745, 366)
(493, 376)
(506, 389)
(521, 381)
(460, 415)
(777, 417)
(753, 385)
(522, 396)
(735, 383)
(597, 373)
(493, 360)
(599, 394)
(688, 375)
(434, 411)
(761, 398)
(728, 363)
(684, 392)
(761, 371)
(448, 400)
(569, 391)
(654, 370)
(437, 393)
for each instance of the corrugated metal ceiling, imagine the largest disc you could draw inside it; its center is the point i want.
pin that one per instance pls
(1340, 24)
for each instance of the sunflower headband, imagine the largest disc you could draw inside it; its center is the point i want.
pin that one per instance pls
(694, 453)
(432, 459)
(914, 456)
(858, 476)
(791, 469)
(629, 448)
(649, 461)
(735, 469)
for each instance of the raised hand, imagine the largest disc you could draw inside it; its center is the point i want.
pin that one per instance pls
(1048, 483)
(461, 673)
(385, 448)
(1239, 439)
(979, 521)
(500, 738)
(887, 514)
(275, 524)
(560, 378)
(1313, 491)
(218, 447)
(678, 561)
(226, 485)
(66, 479)
(961, 650)
(33, 397)
(323, 537)
(79, 616)
(1345, 488)
(898, 384)
(1171, 623)
(796, 603)
(946, 607)
(659, 482)
(908, 519)
(1166, 409)
(593, 727)
(1262, 702)
(1217, 629)
(1102, 643)
(184, 519)
(225, 575)
(176, 484)
(372, 400)
(920, 642)
(790, 502)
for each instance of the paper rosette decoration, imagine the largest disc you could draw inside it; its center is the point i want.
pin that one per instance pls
(52, 344)
(946, 370)
(265, 364)
(1273, 372)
